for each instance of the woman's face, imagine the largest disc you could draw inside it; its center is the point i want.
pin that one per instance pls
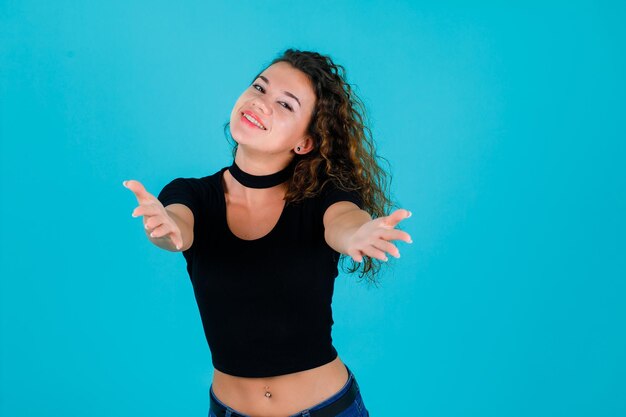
(273, 114)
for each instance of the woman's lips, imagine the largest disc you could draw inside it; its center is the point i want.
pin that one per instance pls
(250, 122)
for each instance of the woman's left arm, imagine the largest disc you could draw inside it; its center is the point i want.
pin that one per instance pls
(353, 232)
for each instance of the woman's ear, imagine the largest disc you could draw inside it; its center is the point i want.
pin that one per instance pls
(304, 146)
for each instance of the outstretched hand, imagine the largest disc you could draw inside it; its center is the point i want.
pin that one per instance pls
(156, 220)
(373, 238)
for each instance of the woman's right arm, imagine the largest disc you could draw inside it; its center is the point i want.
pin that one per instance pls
(171, 227)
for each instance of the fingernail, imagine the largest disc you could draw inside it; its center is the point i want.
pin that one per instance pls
(410, 214)
(152, 234)
(124, 183)
(134, 215)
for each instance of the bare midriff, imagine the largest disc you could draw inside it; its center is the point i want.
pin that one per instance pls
(289, 393)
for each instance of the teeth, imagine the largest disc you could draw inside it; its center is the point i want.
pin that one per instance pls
(253, 120)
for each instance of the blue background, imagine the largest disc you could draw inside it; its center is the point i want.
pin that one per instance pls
(505, 129)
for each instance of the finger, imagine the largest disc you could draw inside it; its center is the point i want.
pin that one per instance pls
(385, 246)
(139, 190)
(356, 255)
(146, 209)
(161, 230)
(373, 252)
(396, 234)
(166, 230)
(177, 240)
(394, 218)
(153, 222)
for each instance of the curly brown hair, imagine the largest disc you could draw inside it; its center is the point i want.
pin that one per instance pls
(344, 150)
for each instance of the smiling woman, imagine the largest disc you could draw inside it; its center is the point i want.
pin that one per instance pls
(262, 239)
(273, 111)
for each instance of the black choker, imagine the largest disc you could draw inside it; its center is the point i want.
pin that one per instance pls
(261, 181)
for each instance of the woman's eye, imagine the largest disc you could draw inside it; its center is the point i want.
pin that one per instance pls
(260, 88)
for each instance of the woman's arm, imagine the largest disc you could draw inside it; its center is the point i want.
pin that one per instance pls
(353, 232)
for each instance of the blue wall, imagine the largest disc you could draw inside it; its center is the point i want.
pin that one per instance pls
(505, 128)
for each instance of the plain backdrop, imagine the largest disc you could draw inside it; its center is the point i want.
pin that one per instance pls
(504, 126)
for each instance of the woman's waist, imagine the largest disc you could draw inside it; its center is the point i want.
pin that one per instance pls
(280, 395)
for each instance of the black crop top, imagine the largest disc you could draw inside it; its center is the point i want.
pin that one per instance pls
(265, 304)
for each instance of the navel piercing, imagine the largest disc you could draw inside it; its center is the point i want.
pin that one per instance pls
(267, 393)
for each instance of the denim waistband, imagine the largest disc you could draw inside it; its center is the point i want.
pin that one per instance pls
(230, 412)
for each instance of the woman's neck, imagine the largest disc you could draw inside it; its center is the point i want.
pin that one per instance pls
(261, 165)
(261, 181)
(253, 197)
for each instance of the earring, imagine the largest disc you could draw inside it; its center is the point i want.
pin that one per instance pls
(298, 149)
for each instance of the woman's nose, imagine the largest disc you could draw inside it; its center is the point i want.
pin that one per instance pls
(260, 103)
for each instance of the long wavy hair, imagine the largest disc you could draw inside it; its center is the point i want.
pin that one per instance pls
(344, 150)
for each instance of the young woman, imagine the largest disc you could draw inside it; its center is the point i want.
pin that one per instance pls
(262, 239)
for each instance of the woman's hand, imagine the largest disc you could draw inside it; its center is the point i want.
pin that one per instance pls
(372, 238)
(156, 220)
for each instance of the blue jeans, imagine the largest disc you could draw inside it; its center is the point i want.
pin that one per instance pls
(356, 409)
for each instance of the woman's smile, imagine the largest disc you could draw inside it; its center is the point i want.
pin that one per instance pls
(252, 120)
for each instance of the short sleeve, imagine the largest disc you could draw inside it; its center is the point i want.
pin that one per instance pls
(185, 191)
(332, 194)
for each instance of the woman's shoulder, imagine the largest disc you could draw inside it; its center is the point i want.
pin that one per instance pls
(195, 191)
(332, 191)
(211, 180)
